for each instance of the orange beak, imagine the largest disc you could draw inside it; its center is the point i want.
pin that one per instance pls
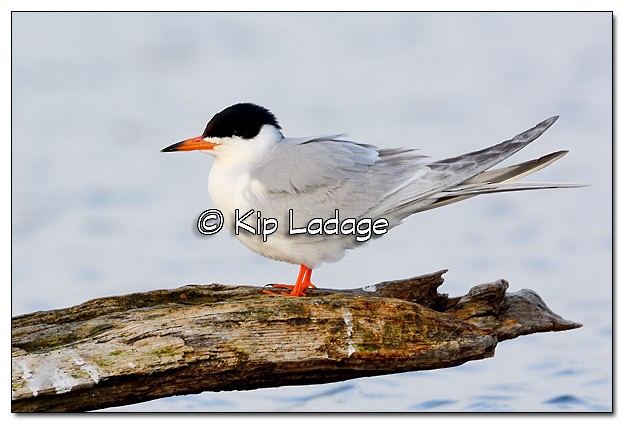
(195, 143)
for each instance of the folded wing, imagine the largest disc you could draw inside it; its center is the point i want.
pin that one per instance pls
(315, 176)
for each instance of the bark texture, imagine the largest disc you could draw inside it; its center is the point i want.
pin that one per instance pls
(126, 349)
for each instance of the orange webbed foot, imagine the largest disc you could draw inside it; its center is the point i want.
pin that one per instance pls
(298, 289)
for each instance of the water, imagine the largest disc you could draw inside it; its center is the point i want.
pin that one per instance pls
(98, 211)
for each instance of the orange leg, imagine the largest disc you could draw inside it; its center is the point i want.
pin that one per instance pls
(303, 283)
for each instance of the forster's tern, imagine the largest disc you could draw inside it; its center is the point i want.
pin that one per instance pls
(316, 197)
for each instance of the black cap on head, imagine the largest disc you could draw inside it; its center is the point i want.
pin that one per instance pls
(242, 120)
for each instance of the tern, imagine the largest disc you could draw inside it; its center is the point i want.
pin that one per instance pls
(316, 178)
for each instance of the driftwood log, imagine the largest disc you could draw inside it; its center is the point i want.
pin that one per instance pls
(127, 349)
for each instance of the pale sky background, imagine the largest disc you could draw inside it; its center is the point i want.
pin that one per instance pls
(98, 211)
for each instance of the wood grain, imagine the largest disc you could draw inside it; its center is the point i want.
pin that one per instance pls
(126, 349)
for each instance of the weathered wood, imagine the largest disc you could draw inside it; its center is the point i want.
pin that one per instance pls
(127, 349)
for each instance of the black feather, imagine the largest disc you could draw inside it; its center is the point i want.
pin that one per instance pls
(243, 120)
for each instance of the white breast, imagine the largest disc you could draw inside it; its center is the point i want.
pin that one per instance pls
(230, 187)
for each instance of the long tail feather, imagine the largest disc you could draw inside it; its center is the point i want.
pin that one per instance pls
(515, 172)
(500, 180)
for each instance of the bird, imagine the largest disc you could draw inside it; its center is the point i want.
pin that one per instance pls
(294, 181)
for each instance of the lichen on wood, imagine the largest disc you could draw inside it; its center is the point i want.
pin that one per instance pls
(126, 349)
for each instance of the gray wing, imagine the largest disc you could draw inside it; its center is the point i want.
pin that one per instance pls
(315, 176)
(297, 165)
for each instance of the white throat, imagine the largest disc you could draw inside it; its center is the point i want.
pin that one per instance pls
(229, 183)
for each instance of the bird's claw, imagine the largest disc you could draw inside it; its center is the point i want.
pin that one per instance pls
(292, 287)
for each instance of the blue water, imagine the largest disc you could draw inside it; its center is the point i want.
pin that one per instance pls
(98, 211)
